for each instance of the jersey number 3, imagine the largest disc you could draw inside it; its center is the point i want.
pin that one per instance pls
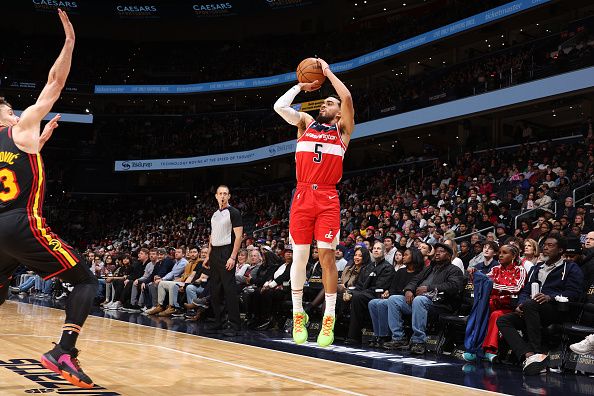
(9, 189)
(318, 151)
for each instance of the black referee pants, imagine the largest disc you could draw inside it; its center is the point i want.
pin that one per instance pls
(222, 282)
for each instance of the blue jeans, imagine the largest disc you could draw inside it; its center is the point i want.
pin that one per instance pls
(27, 284)
(101, 289)
(397, 306)
(378, 309)
(43, 286)
(192, 292)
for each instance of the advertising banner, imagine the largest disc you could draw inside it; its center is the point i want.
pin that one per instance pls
(308, 106)
(208, 160)
(210, 9)
(284, 4)
(557, 85)
(71, 7)
(135, 10)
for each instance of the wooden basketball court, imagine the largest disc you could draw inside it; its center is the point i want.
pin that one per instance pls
(129, 359)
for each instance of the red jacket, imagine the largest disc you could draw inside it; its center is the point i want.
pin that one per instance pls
(506, 282)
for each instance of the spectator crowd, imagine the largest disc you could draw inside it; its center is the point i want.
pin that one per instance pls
(246, 122)
(408, 249)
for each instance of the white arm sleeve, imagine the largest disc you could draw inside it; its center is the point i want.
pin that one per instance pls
(283, 106)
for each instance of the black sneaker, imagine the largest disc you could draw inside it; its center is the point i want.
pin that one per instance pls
(67, 365)
(395, 344)
(267, 324)
(535, 364)
(178, 313)
(418, 348)
(352, 342)
(374, 342)
(230, 331)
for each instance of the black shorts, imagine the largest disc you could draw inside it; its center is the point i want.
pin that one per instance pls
(27, 240)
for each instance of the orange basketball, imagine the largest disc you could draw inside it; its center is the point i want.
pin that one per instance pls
(309, 70)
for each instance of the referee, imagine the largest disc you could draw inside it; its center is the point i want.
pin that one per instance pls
(224, 243)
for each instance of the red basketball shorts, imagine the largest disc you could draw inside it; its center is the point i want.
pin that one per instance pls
(315, 213)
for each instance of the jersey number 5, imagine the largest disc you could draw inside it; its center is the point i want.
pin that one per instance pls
(9, 189)
(318, 151)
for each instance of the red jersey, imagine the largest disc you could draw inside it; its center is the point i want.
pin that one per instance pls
(319, 154)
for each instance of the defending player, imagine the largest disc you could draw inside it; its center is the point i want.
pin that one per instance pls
(25, 238)
(315, 210)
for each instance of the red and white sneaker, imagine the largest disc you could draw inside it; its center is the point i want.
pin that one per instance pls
(67, 365)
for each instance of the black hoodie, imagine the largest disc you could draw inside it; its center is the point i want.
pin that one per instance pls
(588, 267)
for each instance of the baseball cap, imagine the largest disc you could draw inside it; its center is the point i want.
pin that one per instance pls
(574, 246)
(444, 246)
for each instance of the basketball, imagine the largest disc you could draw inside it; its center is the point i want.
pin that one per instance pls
(309, 70)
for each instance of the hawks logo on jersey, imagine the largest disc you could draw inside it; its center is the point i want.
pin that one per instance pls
(319, 154)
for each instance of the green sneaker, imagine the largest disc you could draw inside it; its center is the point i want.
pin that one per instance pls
(300, 320)
(326, 336)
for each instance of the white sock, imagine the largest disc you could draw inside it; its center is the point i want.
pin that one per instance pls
(298, 270)
(330, 304)
(297, 296)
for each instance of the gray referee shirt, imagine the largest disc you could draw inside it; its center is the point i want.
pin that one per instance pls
(222, 223)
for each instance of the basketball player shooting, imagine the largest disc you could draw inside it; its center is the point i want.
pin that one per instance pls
(315, 210)
(25, 238)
